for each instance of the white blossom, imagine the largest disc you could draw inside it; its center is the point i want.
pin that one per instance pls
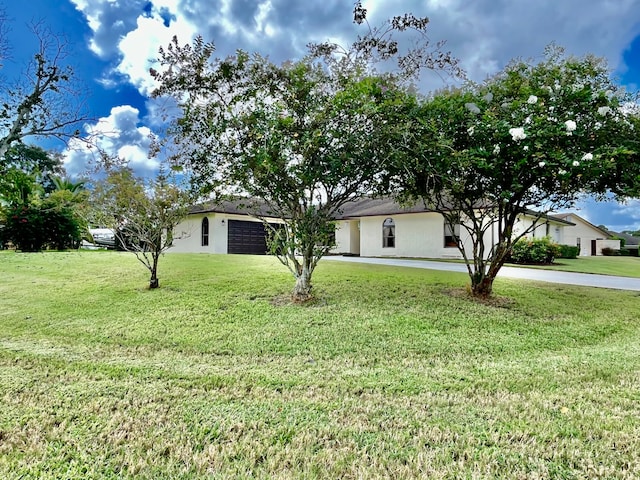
(527, 120)
(470, 130)
(603, 110)
(532, 99)
(562, 172)
(488, 97)
(517, 134)
(526, 148)
(571, 126)
(541, 164)
(598, 125)
(587, 156)
(472, 107)
(576, 163)
(496, 149)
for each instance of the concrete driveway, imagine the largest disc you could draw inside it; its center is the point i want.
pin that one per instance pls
(569, 278)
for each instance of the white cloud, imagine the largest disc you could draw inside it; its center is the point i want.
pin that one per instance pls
(139, 48)
(120, 135)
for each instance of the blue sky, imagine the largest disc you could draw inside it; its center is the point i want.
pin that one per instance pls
(113, 41)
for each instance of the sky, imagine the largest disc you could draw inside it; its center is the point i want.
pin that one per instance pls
(113, 43)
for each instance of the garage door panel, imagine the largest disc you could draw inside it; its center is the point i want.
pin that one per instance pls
(246, 238)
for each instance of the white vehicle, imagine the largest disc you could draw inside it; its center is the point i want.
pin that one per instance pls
(103, 237)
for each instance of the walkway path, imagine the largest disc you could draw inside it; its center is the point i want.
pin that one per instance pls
(570, 278)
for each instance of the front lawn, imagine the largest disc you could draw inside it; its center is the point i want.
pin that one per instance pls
(391, 373)
(622, 266)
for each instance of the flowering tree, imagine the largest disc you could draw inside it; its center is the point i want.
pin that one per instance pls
(533, 137)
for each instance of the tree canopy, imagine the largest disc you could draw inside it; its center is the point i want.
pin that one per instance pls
(535, 136)
(45, 100)
(141, 213)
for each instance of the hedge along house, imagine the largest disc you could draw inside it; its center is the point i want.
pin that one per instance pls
(370, 227)
(380, 227)
(589, 238)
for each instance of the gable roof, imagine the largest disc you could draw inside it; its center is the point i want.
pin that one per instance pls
(570, 216)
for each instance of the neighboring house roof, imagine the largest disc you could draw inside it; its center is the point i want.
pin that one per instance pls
(628, 239)
(572, 216)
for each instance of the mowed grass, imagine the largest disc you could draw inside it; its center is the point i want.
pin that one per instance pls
(391, 373)
(622, 266)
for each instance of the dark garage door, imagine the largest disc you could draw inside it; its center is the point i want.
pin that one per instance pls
(246, 237)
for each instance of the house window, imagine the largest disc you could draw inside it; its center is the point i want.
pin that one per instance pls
(388, 233)
(205, 231)
(451, 237)
(578, 243)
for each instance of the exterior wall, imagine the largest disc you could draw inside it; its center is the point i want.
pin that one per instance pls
(188, 234)
(416, 235)
(524, 222)
(600, 244)
(586, 233)
(347, 237)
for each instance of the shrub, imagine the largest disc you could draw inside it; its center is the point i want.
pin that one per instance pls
(32, 228)
(568, 251)
(610, 252)
(534, 251)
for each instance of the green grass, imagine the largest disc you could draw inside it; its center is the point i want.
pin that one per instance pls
(622, 266)
(391, 373)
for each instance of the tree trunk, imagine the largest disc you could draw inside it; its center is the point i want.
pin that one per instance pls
(154, 281)
(302, 289)
(481, 282)
(483, 288)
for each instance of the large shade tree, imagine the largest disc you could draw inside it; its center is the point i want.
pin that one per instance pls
(535, 136)
(297, 140)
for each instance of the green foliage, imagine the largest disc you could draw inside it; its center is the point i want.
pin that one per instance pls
(534, 251)
(535, 136)
(298, 140)
(610, 252)
(568, 251)
(142, 214)
(32, 228)
(32, 220)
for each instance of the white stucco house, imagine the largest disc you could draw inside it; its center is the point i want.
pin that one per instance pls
(589, 238)
(371, 227)
(379, 227)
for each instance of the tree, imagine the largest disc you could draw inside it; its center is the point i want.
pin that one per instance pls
(32, 221)
(535, 136)
(296, 140)
(142, 214)
(32, 160)
(44, 101)
(293, 138)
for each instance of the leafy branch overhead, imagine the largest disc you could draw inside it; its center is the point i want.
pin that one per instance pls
(401, 43)
(44, 101)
